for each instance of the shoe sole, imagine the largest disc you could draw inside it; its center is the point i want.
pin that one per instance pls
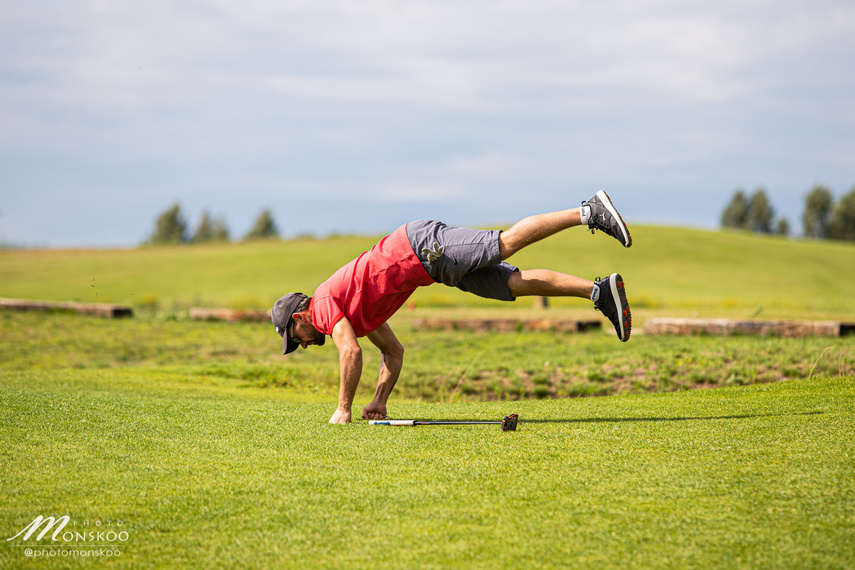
(607, 202)
(622, 306)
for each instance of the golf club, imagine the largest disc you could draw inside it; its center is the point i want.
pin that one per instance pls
(509, 423)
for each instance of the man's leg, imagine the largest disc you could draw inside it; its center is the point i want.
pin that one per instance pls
(598, 213)
(547, 283)
(535, 228)
(608, 294)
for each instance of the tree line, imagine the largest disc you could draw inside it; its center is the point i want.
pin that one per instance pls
(823, 218)
(171, 228)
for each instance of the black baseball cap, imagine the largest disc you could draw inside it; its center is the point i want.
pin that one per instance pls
(281, 314)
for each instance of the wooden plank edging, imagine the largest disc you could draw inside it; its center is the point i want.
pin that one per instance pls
(508, 325)
(99, 309)
(727, 327)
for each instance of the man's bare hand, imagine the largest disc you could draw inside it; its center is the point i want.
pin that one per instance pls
(340, 417)
(374, 412)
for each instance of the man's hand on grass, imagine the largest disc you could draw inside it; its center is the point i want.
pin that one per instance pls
(374, 412)
(340, 417)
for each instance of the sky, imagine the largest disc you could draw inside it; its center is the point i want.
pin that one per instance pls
(355, 117)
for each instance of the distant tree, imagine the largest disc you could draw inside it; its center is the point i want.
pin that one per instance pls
(735, 215)
(843, 220)
(204, 231)
(211, 229)
(817, 216)
(264, 227)
(171, 228)
(760, 213)
(783, 227)
(219, 230)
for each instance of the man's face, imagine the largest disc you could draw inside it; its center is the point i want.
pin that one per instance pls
(304, 333)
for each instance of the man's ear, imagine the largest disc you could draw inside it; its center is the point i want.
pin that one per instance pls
(302, 316)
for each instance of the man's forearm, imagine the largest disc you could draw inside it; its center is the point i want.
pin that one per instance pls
(350, 366)
(350, 363)
(392, 360)
(389, 373)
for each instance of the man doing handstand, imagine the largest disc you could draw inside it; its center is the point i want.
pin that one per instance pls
(358, 299)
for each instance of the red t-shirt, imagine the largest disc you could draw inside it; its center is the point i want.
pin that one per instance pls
(371, 288)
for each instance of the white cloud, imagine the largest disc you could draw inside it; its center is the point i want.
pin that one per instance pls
(461, 100)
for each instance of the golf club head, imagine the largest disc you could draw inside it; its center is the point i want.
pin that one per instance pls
(509, 423)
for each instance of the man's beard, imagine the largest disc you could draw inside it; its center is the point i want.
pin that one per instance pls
(320, 338)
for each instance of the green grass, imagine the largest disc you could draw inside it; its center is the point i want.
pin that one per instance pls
(205, 475)
(439, 366)
(213, 450)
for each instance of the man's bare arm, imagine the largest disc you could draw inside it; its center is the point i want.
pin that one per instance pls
(350, 366)
(392, 360)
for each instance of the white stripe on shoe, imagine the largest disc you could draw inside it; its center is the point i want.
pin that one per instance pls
(613, 285)
(607, 202)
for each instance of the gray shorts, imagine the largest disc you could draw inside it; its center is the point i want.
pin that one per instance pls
(462, 257)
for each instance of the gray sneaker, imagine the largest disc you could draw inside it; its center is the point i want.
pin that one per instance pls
(613, 304)
(605, 217)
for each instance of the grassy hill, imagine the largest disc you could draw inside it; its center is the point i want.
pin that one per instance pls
(211, 449)
(672, 270)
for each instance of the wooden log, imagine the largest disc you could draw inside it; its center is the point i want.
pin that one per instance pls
(507, 325)
(727, 327)
(99, 309)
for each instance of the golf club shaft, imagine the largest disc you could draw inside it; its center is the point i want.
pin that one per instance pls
(508, 424)
(427, 422)
(452, 422)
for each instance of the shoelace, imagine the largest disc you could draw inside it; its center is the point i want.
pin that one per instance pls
(599, 223)
(596, 222)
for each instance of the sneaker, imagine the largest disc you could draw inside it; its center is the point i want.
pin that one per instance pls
(613, 304)
(605, 217)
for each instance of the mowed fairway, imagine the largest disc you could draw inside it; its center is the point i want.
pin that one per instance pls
(212, 450)
(203, 475)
